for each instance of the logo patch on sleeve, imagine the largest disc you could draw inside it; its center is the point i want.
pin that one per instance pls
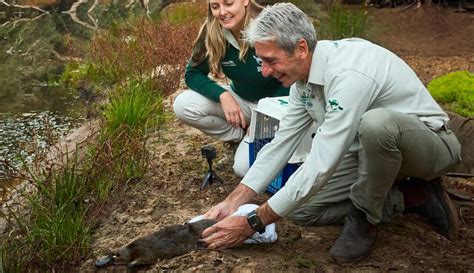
(259, 63)
(334, 105)
(228, 63)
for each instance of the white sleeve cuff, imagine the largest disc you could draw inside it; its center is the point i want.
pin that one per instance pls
(281, 204)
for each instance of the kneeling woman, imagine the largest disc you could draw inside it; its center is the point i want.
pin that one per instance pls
(223, 110)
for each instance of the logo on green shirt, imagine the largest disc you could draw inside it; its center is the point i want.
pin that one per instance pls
(228, 63)
(259, 63)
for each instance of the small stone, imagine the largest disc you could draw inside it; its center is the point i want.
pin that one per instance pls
(145, 211)
(141, 220)
(122, 218)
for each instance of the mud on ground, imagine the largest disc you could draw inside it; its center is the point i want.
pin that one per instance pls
(433, 41)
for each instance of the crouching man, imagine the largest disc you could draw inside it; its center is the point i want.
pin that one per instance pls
(377, 124)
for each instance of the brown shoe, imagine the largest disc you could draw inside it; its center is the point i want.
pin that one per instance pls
(356, 239)
(433, 204)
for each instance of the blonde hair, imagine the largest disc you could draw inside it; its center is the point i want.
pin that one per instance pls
(211, 43)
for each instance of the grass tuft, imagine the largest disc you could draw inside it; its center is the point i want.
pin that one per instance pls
(344, 22)
(134, 108)
(455, 91)
(54, 232)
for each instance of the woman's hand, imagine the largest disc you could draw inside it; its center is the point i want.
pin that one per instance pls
(232, 111)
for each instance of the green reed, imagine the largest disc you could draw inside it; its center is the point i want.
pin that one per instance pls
(52, 228)
(344, 22)
(134, 107)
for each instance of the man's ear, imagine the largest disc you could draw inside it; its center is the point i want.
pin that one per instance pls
(302, 49)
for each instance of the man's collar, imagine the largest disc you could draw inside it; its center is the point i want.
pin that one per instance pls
(318, 63)
(230, 38)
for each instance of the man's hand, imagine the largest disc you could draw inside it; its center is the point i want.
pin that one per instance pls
(239, 196)
(230, 232)
(232, 111)
(220, 211)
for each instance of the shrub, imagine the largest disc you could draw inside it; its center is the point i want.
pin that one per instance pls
(344, 22)
(185, 12)
(455, 91)
(144, 49)
(309, 7)
(76, 74)
(118, 159)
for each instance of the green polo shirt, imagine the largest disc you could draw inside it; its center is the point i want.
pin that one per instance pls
(246, 77)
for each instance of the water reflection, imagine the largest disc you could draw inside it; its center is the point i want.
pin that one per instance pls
(19, 131)
(32, 51)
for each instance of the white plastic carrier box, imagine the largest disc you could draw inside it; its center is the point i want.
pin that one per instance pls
(263, 125)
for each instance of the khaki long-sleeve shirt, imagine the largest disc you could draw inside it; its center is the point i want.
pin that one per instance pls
(346, 79)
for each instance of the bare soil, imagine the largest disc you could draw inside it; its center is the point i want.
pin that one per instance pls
(434, 41)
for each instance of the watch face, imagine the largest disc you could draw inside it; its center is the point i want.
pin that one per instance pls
(254, 222)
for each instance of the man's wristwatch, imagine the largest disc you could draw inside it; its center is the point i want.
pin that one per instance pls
(254, 222)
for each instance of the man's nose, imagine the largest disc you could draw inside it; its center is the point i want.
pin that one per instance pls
(266, 70)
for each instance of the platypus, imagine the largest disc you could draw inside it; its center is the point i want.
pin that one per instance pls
(166, 243)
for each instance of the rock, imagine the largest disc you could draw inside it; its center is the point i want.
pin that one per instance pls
(145, 211)
(141, 220)
(121, 218)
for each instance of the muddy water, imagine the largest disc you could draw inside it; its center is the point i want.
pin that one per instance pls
(32, 49)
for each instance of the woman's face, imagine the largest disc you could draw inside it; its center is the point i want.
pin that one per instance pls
(229, 13)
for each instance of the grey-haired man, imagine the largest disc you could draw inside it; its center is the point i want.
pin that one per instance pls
(376, 123)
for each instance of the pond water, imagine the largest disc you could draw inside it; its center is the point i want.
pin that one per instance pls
(32, 54)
